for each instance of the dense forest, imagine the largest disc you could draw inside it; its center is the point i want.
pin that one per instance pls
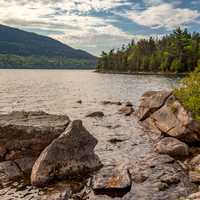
(21, 49)
(176, 52)
(8, 61)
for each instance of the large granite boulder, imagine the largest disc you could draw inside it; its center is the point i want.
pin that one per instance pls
(162, 112)
(69, 156)
(172, 147)
(150, 102)
(26, 134)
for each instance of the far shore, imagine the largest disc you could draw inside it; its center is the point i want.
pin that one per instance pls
(144, 73)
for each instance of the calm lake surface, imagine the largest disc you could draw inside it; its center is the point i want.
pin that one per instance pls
(56, 91)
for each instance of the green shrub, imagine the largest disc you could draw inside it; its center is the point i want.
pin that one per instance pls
(189, 93)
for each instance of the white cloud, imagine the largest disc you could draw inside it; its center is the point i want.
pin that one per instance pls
(163, 15)
(69, 17)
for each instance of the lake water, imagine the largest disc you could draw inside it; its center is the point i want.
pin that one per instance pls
(56, 91)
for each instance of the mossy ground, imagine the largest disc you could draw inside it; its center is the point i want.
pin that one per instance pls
(189, 93)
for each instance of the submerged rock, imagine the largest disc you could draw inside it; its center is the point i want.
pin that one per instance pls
(112, 103)
(69, 156)
(172, 147)
(129, 104)
(96, 114)
(127, 110)
(26, 134)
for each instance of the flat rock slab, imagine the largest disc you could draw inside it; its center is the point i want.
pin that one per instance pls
(112, 180)
(26, 134)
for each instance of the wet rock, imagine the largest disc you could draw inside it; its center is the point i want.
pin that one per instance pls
(172, 147)
(79, 101)
(129, 104)
(96, 114)
(194, 196)
(112, 103)
(127, 110)
(69, 156)
(116, 140)
(194, 176)
(8, 171)
(150, 102)
(195, 163)
(166, 114)
(113, 181)
(26, 134)
(158, 177)
(56, 196)
(25, 164)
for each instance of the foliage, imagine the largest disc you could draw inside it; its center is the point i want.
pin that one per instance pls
(177, 52)
(15, 61)
(189, 93)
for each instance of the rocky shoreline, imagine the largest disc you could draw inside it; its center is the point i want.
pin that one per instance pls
(145, 153)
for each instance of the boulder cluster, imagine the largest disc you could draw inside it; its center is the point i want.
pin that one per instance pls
(57, 156)
(173, 129)
(45, 148)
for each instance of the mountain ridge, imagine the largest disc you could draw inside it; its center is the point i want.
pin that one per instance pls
(22, 45)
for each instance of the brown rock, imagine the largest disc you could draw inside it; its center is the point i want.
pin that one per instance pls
(162, 111)
(172, 147)
(129, 104)
(71, 155)
(79, 101)
(26, 134)
(96, 114)
(112, 103)
(194, 176)
(174, 120)
(151, 102)
(112, 180)
(127, 110)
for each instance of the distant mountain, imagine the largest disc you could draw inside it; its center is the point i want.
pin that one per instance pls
(22, 48)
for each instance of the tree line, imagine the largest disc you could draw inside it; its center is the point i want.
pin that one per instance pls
(9, 61)
(176, 52)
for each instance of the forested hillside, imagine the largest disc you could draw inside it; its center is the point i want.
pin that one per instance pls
(177, 52)
(21, 49)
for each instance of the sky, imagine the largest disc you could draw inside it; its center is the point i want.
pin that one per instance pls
(97, 25)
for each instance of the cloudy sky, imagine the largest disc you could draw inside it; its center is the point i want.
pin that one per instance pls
(96, 25)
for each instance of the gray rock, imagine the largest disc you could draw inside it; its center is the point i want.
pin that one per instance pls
(25, 164)
(172, 147)
(8, 171)
(71, 155)
(26, 134)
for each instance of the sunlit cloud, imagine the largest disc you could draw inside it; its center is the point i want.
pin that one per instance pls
(96, 25)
